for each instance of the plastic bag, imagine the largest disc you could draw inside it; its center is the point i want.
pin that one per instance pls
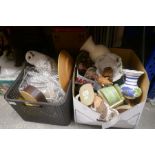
(46, 82)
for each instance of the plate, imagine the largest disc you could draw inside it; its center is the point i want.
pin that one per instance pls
(65, 67)
(87, 94)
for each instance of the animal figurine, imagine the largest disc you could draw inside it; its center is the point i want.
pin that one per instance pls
(95, 51)
(103, 81)
(102, 57)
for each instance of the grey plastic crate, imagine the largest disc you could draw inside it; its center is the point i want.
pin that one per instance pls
(45, 113)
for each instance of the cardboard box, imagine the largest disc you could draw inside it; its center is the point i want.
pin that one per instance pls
(127, 119)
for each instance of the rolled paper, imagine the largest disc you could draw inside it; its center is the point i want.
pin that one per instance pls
(32, 94)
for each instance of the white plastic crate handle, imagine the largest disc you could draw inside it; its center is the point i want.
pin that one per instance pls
(12, 103)
(77, 96)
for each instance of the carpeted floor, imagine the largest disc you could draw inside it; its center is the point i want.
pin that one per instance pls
(10, 119)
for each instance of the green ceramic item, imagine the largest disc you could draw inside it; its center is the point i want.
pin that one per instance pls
(112, 95)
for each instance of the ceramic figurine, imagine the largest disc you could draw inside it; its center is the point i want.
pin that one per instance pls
(130, 88)
(94, 50)
(102, 57)
(103, 81)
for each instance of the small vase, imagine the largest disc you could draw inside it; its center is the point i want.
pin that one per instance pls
(130, 88)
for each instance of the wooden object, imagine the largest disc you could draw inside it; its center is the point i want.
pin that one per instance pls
(65, 67)
(32, 94)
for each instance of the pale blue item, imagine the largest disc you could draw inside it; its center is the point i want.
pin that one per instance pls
(130, 88)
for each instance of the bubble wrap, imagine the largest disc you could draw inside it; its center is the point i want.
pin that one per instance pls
(48, 84)
(41, 62)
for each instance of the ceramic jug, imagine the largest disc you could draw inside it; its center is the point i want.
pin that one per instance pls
(130, 88)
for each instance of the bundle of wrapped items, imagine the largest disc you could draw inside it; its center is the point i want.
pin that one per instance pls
(41, 82)
(102, 83)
